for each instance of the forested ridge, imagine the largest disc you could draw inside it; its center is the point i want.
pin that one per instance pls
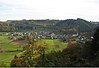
(63, 26)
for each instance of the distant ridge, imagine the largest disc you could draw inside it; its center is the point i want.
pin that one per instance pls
(80, 25)
(58, 26)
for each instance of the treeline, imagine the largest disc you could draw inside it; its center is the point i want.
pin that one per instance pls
(24, 25)
(58, 26)
(79, 25)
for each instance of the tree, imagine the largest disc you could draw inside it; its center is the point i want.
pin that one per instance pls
(18, 62)
(33, 50)
(95, 42)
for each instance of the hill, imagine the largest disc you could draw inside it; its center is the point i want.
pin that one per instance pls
(79, 25)
(57, 26)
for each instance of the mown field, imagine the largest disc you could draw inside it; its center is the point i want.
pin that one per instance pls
(55, 45)
(6, 44)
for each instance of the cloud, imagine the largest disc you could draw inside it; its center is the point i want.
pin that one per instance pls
(53, 9)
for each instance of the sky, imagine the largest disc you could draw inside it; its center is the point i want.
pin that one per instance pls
(49, 9)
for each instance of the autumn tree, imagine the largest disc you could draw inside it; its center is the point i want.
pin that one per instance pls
(33, 50)
(18, 62)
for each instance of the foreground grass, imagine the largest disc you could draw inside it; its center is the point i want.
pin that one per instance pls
(6, 44)
(6, 57)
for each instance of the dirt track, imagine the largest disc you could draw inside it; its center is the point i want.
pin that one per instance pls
(20, 42)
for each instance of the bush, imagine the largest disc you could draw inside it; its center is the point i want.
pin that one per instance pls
(18, 62)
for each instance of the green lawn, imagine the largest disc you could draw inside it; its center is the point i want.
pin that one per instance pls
(6, 57)
(10, 46)
(54, 44)
(6, 44)
(4, 39)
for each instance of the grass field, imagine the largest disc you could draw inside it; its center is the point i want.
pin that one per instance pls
(6, 44)
(5, 58)
(54, 44)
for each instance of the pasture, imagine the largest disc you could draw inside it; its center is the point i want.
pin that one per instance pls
(6, 57)
(7, 44)
(54, 45)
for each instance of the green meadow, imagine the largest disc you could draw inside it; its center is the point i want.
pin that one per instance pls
(6, 44)
(54, 45)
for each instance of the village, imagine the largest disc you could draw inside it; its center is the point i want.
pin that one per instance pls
(82, 37)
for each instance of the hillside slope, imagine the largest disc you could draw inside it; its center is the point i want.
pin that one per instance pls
(57, 26)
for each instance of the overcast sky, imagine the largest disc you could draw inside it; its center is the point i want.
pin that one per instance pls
(49, 9)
